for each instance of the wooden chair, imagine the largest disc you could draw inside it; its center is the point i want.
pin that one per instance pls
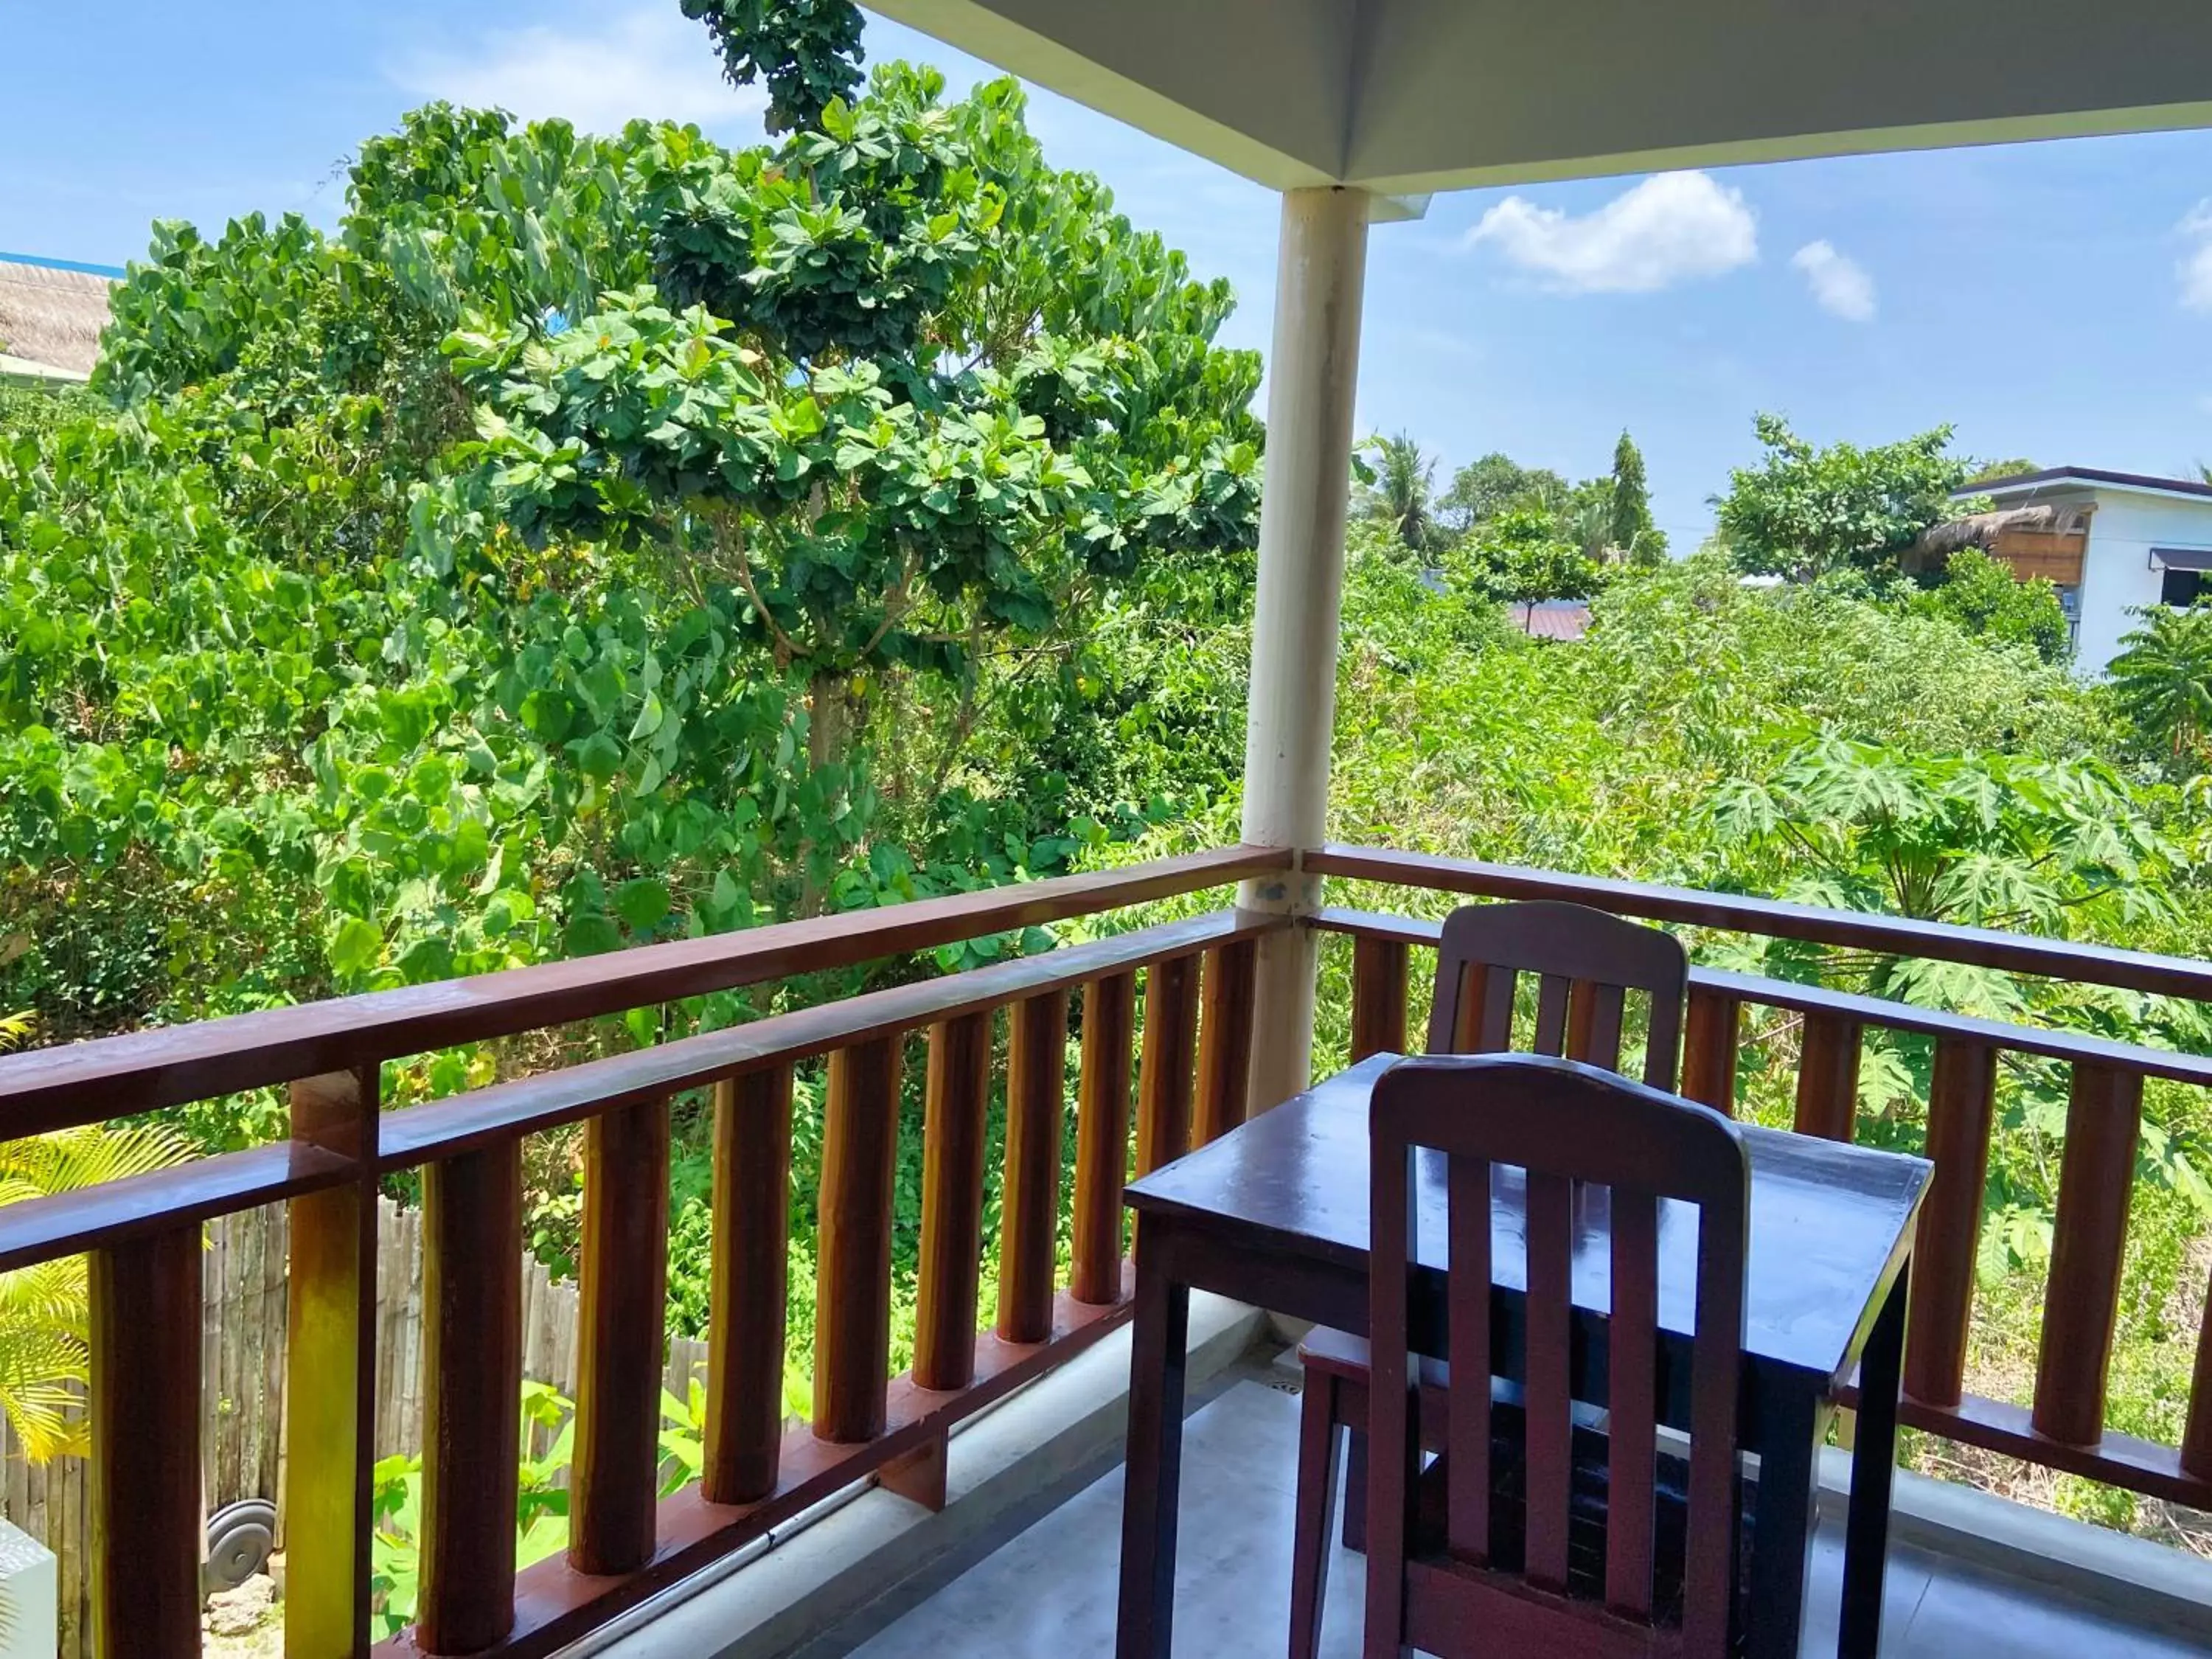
(1586, 963)
(1512, 1542)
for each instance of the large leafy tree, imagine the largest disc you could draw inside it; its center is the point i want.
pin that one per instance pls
(1804, 511)
(1629, 528)
(1485, 488)
(954, 394)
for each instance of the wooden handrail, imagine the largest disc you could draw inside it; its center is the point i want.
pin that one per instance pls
(1982, 947)
(113, 1077)
(465, 1122)
(1851, 1007)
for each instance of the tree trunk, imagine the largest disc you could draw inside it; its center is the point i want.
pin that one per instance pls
(828, 722)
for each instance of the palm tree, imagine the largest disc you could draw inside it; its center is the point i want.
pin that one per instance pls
(1400, 496)
(46, 1311)
(2163, 678)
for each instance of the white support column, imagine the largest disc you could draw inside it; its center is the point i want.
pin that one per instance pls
(1312, 375)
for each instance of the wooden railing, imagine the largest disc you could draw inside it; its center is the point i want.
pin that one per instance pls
(1188, 1083)
(143, 1237)
(2064, 1429)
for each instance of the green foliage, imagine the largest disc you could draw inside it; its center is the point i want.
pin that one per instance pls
(1983, 597)
(2162, 680)
(1518, 557)
(46, 1352)
(808, 51)
(541, 1494)
(1803, 511)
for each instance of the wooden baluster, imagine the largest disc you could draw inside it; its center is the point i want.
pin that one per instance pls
(621, 1304)
(1378, 997)
(2081, 1298)
(1593, 1020)
(1101, 1138)
(1163, 1076)
(1716, 1033)
(1828, 1078)
(1028, 1204)
(1961, 1103)
(852, 1264)
(472, 1397)
(143, 1478)
(751, 1282)
(1224, 1037)
(958, 1100)
(2196, 1438)
(330, 1377)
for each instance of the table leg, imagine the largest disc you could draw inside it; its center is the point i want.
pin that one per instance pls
(1791, 1423)
(1874, 1464)
(1159, 1355)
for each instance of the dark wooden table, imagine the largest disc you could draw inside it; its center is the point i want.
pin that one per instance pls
(1274, 1213)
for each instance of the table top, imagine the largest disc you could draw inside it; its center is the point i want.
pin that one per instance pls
(1829, 1223)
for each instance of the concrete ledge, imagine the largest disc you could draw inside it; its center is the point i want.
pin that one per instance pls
(847, 1560)
(2140, 1582)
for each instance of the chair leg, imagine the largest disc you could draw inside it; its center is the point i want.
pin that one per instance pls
(1320, 1435)
(1355, 1495)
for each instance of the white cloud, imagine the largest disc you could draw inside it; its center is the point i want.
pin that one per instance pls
(1672, 228)
(2195, 267)
(640, 58)
(1839, 284)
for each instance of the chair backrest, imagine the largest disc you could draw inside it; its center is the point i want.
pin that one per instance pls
(1564, 1123)
(1585, 962)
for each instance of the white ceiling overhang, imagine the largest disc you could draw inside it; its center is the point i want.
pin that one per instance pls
(1405, 97)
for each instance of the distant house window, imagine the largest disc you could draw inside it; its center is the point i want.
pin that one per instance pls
(2181, 588)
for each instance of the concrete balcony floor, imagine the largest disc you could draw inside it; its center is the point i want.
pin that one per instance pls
(1048, 1592)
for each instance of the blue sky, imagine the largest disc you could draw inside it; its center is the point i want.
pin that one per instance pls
(2052, 300)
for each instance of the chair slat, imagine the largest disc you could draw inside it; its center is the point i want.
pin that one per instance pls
(1551, 1034)
(1549, 1405)
(1394, 1464)
(1715, 1363)
(1632, 1357)
(1593, 1020)
(1468, 1475)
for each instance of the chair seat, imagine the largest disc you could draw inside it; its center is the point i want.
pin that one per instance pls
(1330, 1353)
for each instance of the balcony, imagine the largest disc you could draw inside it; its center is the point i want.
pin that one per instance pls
(1166, 1016)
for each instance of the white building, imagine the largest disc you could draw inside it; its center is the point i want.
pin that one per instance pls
(2118, 542)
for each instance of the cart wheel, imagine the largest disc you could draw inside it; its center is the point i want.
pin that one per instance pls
(239, 1537)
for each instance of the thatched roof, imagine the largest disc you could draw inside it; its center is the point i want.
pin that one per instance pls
(1982, 529)
(52, 316)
